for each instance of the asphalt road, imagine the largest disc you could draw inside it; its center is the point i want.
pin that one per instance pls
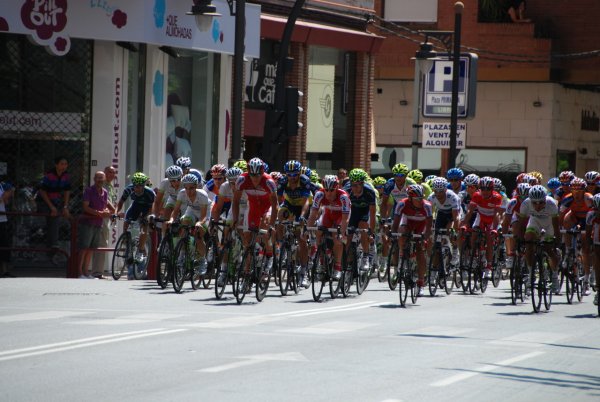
(99, 340)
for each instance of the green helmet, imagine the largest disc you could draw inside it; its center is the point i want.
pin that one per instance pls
(314, 176)
(400, 169)
(416, 175)
(357, 174)
(379, 181)
(139, 178)
(241, 164)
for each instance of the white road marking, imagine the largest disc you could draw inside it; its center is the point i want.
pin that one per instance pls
(83, 343)
(485, 369)
(529, 339)
(40, 315)
(333, 327)
(323, 309)
(256, 359)
(131, 319)
(438, 331)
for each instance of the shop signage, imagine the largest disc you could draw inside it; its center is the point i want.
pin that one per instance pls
(260, 91)
(437, 135)
(12, 120)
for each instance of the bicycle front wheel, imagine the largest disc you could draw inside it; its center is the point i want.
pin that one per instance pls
(243, 277)
(348, 270)
(402, 288)
(432, 272)
(165, 256)
(122, 256)
(263, 277)
(392, 277)
(536, 289)
(182, 261)
(318, 276)
(547, 290)
(282, 274)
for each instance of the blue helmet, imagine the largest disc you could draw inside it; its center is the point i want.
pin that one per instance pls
(292, 166)
(455, 173)
(553, 183)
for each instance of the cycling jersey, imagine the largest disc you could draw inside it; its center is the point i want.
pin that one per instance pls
(141, 202)
(360, 203)
(333, 210)
(444, 209)
(392, 189)
(542, 219)
(294, 196)
(486, 207)
(193, 208)
(170, 193)
(513, 208)
(578, 208)
(593, 219)
(258, 196)
(412, 217)
(211, 190)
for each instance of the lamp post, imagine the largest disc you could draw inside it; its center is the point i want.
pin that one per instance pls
(424, 59)
(204, 11)
(458, 8)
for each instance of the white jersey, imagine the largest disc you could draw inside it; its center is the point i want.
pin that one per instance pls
(196, 205)
(451, 203)
(166, 188)
(227, 192)
(549, 211)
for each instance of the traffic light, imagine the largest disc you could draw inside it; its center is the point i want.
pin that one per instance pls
(292, 110)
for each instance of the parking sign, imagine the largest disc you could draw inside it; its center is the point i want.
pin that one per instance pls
(437, 88)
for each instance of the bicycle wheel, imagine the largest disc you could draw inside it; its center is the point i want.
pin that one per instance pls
(194, 268)
(182, 260)
(569, 284)
(412, 279)
(536, 289)
(282, 276)
(140, 266)
(472, 272)
(402, 288)
(578, 279)
(262, 277)
(382, 273)
(496, 274)
(515, 280)
(122, 256)
(433, 272)
(391, 273)
(293, 273)
(363, 277)
(165, 256)
(547, 288)
(221, 272)
(348, 269)
(319, 276)
(463, 271)
(243, 276)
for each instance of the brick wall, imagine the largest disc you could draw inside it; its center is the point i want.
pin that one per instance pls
(298, 77)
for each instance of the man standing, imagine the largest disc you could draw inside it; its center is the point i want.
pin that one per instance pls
(95, 207)
(98, 263)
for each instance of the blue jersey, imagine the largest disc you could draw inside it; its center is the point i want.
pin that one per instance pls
(144, 199)
(365, 199)
(295, 196)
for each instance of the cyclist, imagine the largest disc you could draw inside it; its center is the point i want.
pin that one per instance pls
(194, 202)
(170, 186)
(565, 178)
(487, 203)
(593, 235)
(414, 215)
(553, 185)
(379, 183)
(336, 206)
(362, 212)
(417, 176)
(574, 208)
(293, 190)
(241, 164)
(185, 163)
(142, 200)
(455, 176)
(447, 206)
(217, 173)
(591, 178)
(261, 191)
(396, 187)
(511, 219)
(542, 212)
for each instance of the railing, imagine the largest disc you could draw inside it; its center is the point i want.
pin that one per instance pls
(72, 257)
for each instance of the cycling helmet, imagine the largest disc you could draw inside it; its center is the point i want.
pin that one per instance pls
(592, 177)
(537, 193)
(537, 175)
(189, 179)
(292, 166)
(256, 166)
(305, 170)
(596, 201)
(139, 178)
(314, 177)
(455, 173)
(173, 172)
(400, 169)
(379, 181)
(553, 183)
(276, 176)
(578, 184)
(471, 180)
(430, 177)
(218, 169)
(566, 176)
(415, 190)
(233, 173)
(532, 180)
(242, 165)
(266, 166)
(523, 189)
(521, 177)
(330, 181)
(486, 183)
(439, 184)
(357, 175)
(184, 162)
(416, 175)
(497, 184)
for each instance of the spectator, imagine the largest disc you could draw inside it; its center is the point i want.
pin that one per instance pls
(6, 192)
(96, 207)
(516, 11)
(342, 175)
(53, 197)
(99, 260)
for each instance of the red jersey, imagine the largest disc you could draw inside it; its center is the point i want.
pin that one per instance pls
(408, 210)
(486, 207)
(333, 209)
(262, 192)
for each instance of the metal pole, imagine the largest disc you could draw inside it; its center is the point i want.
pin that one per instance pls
(238, 80)
(416, 109)
(458, 9)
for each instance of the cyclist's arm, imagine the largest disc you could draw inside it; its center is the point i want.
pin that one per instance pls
(383, 210)
(470, 210)
(203, 214)
(455, 219)
(235, 205)
(176, 211)
(372, 220)
(274, 208)
(555, 226)
(216, 211)
(305, 206)
(505, 222)
(157, 206)
(312, 217)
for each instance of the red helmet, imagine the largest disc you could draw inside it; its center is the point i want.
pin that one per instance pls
(578, 184)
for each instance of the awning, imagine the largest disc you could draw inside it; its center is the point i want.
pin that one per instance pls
(311, 33)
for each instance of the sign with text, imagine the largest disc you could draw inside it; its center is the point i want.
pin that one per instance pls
(437, 88)
(36, 122)
(437, 135)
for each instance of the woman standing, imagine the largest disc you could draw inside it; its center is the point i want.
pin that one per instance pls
(53, 197)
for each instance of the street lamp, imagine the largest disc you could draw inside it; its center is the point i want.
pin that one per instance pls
(424, 59)
(204, 11)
